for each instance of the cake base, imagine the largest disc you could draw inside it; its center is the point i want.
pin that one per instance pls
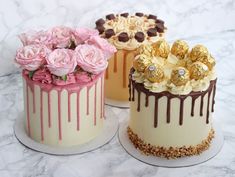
(109, 131)
(119, 104)
(215, 147)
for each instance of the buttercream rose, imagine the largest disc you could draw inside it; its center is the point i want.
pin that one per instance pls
(103, 44)
(43, 76)
(61, 36)
(61, 62)
(31, 57)
(36, 37)
(90, 58)
(82, 34)
(70, 80)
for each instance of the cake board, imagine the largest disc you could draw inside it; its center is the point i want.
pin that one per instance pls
(109, 131)
(119, 104)
(215, 147)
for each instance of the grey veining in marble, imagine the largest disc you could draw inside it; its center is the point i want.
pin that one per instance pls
(208, 22)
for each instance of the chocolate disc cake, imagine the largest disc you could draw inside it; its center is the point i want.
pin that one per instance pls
(172, 93)
(126, 32)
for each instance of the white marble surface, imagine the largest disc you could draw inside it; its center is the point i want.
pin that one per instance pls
(208, 22)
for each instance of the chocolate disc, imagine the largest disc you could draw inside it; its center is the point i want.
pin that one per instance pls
(152, 32)
(100, 29)
(139, 14)
(160, 27)
(109, 33)
(100, 22)
(160, 21)
(110, 16)
(124, 14)
(123, 37)
(152, 17)
(139, 36)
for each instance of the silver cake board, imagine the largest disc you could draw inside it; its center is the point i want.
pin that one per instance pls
(213, 150)
(109, 131)
(115, 103)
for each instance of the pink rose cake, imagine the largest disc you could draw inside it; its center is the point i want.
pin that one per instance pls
(63, 83)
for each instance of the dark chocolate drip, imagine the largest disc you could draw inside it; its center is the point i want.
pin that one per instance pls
(138, 106)
(181, 111)
(213, 99)
(129, 86)
(156, 112)
(146, 100)
(168, 110)
(201, 105)
(139, 87)
(208, 106)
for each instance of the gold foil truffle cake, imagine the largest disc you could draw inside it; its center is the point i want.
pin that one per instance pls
(63, 84)
(172, 91)
(126, 32)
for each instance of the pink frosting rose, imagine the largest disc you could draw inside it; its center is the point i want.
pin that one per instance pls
(103, 44)
(31, 57)
(61, 62)
(36, 37)
(90, 58)
(61, 36)
(83, 77)
(83, 34)
(43, 76)
(70, 80)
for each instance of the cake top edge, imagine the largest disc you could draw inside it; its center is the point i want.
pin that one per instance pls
(63, 55)
(129, 31)
(177, 69)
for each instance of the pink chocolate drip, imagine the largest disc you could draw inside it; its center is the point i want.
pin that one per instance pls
(78, 110)
(87, 98)
(59, 115)
(95, 104)
(69, 110)
(28, 118)
(41, 115)
(49, 108)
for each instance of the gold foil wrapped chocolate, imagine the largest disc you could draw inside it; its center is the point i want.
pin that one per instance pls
(161, 48)
(179, 76)
(198, 70)
(141, 62)
(198, 53)
(180, 49)
(154, 73)
(209, 61)
(146, 49)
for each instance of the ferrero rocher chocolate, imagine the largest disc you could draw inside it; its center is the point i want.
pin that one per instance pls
(198, 70)
(209, 61)
(141, 62)
(179, 76)
(161, 48)
(198, 53)
(154, 73)
(146, 49)
(179, 49)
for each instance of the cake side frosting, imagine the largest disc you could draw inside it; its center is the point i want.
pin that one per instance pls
(128, 32)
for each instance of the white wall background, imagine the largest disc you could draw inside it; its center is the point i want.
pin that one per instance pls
(184, 18)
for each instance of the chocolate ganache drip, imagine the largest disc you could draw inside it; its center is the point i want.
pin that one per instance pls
(139, 87)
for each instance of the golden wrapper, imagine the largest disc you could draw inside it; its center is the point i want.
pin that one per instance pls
(180, 49)
(141, 62)
(146, 49)
(209, 61)
(179, 76)
(161, 48)
(154, 73)
(198, 70)
(198, 53)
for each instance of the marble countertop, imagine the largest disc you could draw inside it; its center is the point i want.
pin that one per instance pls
(111, 160)
(201, 21)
